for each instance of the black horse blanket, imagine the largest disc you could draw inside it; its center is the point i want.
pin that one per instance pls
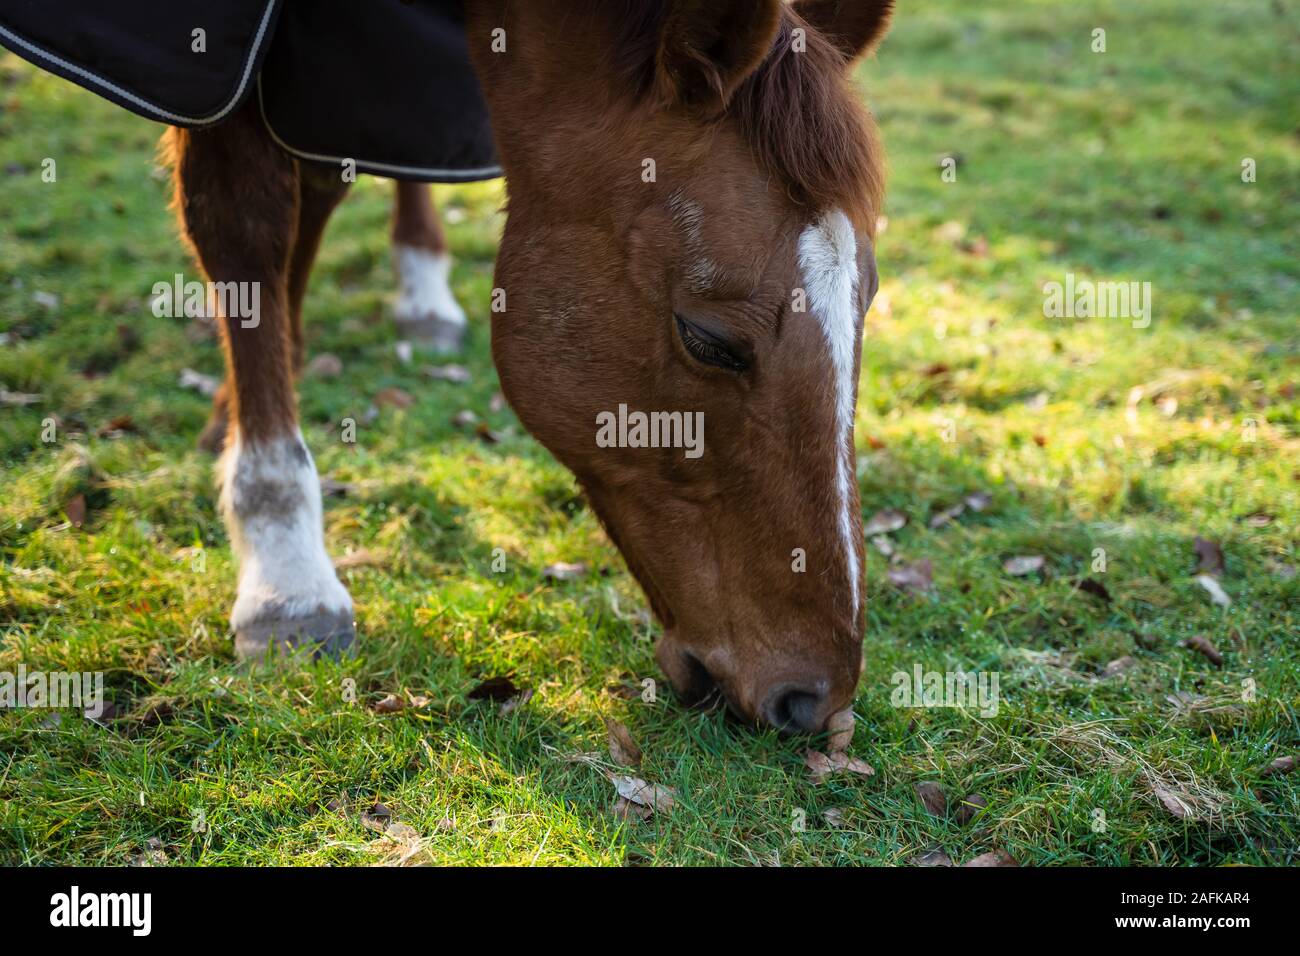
(386, 84)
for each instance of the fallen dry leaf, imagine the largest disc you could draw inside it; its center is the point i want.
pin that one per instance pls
(951, 231)
(840, 727)
(655, 796)
(971, 806)
(46, 300)
(978, 500)
(153, 854)
(487, 435)
(1118, 666)
(834, 816)
(1214, 589)
(818, 764)
(917, 577)
(401, 832)
(1172, 802)
(376, 818)
(1201, 643)
(394, 397)
(464, 419)
(1150, 642)
(995, 858)
(361, 558)
(107, 711)
(1209, 557)
(1280, 766)
(1184, 702)
(325, 365)
(947, 515)
(401, 841)
(495, 689)
(822, 765)
(624, 690)
(1095, 588)
(512, 704)
(625, 809)
(883, 522)
(565, 570)
(205, 385)
(933, 797)
(19, 398)
(1259, 519)
(330, 488)
(623, 749)
(934, 857)
(882, 544)
(391, 704)
(1281, 569)
(116, 426)
(75, 509)
(1020, 566)
(458, 374)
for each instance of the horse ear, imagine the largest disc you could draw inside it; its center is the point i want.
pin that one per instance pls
(853, 27)
(708, 47)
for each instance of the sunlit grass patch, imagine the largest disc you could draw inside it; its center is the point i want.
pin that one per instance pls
(1103, 448)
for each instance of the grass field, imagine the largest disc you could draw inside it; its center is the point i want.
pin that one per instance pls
(1124, 165)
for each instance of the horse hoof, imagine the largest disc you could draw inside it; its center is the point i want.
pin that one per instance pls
(432, 333)
(323, 634)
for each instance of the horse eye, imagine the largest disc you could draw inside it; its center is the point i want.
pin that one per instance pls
(708, 348)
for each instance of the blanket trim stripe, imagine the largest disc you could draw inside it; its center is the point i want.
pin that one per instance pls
(131, 101)
(420, 173)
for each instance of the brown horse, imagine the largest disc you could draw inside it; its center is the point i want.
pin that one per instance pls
(426, 312)
(693, 190)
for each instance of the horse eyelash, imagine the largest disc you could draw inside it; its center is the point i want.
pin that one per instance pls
(710, 353)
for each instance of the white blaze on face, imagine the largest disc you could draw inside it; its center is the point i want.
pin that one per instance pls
(270, 494)
(424, 287)
(828, 259)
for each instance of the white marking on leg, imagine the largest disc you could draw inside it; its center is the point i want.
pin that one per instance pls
(270, 496)
(424, 289)
(828, 258)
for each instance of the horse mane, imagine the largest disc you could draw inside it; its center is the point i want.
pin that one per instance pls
(798, 112)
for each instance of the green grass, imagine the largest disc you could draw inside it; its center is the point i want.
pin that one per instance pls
(1116, 166)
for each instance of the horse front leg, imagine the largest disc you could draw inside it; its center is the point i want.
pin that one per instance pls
(427, 312)
(238, 200)
(320, 190)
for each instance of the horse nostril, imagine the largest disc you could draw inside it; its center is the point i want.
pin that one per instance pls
(792, 710)
(695, 684)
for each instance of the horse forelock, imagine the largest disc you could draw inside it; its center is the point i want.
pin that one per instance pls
(798, 111)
